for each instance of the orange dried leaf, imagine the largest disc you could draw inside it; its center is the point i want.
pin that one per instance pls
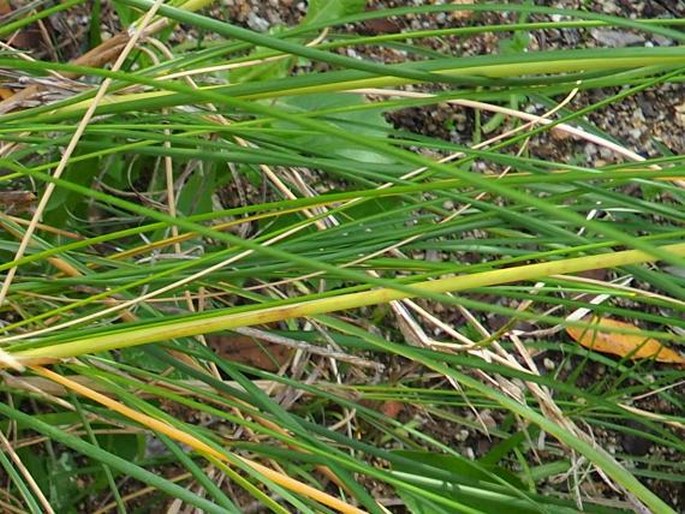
(391, 409)
(5, 93)
(601, 336)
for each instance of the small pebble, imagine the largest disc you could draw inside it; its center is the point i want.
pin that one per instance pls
(257, 23)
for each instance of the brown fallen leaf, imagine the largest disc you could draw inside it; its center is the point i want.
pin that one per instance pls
(29, 37)
(391, 408)
(376, 26)
(250, 351)
(602, 338)
(17, 201)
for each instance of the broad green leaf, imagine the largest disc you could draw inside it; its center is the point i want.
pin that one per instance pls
(328, 11)
(371, 124)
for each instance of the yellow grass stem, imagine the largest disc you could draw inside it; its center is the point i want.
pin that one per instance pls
(492, 71)
(193, 327)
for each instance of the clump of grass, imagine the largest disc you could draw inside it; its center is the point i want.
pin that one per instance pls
(253, 180)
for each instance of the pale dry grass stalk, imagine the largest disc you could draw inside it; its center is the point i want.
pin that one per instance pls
(9, 450)
(199, 446)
